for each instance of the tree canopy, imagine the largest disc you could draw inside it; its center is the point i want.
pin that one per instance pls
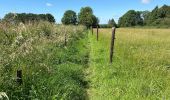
(87, 18)
(157, 17)
(131, 18)
(111, 23)
(69, 17)
(95, 21)
(28, 17)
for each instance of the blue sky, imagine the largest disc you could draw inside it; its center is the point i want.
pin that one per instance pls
(103, 9)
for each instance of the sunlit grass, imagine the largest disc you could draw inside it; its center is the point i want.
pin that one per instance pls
(51, 70)
(140, 69)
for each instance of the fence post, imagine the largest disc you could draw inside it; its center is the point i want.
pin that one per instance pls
(65, 39)
(97, 32)
(112, 44)
(92, 29)
(19, 77)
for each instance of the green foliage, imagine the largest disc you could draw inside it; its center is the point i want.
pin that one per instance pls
(103, 26)
(158, 17)
(144, 16)
(50, 69)
(69, 18)
(28, 17)
(95, 20)
(49, 18)
(112, 23)
(131, 18)
(87, 18)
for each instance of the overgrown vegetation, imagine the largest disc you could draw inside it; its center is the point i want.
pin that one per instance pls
(50, 70)
(54, 58)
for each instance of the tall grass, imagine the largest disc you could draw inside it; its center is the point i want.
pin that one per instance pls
(50, 69)
(140, 69)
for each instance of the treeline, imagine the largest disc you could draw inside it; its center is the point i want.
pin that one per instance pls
(28, 17)
(157, 17)
(84, 17)
(111, 23)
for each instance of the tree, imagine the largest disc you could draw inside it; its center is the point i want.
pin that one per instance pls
(158, 16)
(86, 17)
(50, 18)
(164, 11)
(9, 17)
(111, 23)
(144, 16)
(69, 17)
(95, 21)
(154, 14)
(131, 18)
(42, 17)
(28, 17)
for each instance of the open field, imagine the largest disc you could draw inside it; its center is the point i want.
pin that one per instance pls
(79, 69)
(140, 69)
(84, 50)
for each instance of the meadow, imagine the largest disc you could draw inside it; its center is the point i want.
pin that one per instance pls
(140, 68)
(61, 62)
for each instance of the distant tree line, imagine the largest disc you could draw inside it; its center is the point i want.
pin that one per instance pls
(84, 17)
(28, 17)
(131, 18)
(157, 17)
(111, 23)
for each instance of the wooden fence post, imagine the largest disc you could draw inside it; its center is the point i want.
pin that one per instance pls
(65, 39)
(19, 77)
(97, 32)
(92, 29)
(112, 44)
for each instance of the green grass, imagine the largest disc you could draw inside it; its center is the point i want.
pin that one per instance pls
(81, 70)
(140, 69)
(50, 70)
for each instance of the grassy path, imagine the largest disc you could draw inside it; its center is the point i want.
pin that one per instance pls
(98, 58)
(140, 70)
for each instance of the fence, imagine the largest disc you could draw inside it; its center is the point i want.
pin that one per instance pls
(112, 41)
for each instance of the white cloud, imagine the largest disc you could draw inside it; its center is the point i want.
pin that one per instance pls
(146, 1)
(49, 4)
